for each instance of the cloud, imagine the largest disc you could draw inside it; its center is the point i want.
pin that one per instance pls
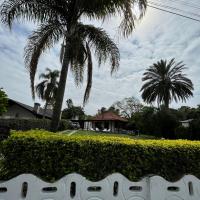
(159, 36)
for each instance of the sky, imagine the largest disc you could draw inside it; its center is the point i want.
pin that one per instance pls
(157, 36)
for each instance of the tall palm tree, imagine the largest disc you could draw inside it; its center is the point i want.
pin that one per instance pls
(165, 82)
(60, 19)
(48, 88)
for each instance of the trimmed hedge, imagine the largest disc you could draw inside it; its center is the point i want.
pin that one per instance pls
(28, 124)
(51, 156)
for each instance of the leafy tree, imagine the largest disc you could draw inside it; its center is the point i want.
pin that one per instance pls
(128, 106)
(72, 111)
(145, 121)
(61, 19)
(3, 102)
(114, 110)
(48, 87)
(110, 109)
(167, 122)
(164, 82)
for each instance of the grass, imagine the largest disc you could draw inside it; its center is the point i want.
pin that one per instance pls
(93, 133)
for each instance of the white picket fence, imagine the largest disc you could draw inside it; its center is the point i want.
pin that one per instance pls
(113, 187)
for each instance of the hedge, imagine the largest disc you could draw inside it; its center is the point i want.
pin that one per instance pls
(28, 124)
(51, 156)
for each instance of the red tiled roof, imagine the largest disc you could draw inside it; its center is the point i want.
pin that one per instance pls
(108, 116)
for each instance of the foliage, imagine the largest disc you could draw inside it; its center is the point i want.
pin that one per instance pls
(164, 82)
(28, 124)
(182, 133)
(167, 123)
(65, 125)
(51, 156)
(158, 122)
(72, 111)
(47, 89)
(128, 106)
(110, 109)
(3, 102)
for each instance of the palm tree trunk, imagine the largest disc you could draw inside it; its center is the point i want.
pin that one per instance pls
(45, 109)
(167, 104)
(60, 93)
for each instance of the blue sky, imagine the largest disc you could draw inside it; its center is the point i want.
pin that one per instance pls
(158, 35)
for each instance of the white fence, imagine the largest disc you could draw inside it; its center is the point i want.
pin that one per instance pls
(114, 187)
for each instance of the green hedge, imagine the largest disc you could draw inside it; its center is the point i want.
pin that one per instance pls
(51, 156)
(28, 124)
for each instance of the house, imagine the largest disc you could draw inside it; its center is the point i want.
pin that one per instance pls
(22, 111)
(106, 121)
(186, 123)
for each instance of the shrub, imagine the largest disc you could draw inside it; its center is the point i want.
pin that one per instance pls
(28, 124)
(183, 133)
(195, 129)
(51, 156)
(65, 124)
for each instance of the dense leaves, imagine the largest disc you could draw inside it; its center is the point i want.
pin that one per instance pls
(3, 102)
(47, 88)
(51, 156)
(72, 112)
(164, 81)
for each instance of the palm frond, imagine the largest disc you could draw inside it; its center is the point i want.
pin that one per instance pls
(164, 81)
(130, 9)
(40, 89)
(36, 11)
(41, 39)
(103, 46)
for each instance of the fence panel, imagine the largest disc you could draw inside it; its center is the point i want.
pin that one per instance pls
(113, 187)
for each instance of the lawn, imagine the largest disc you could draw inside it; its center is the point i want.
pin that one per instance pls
(83, 133)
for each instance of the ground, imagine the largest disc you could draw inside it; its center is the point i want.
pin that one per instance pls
(81, 132)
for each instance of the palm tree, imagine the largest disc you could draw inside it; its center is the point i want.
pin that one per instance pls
(165, 82)
(47, 89)
(60, 19)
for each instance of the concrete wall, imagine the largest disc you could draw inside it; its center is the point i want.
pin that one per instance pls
(15, 111)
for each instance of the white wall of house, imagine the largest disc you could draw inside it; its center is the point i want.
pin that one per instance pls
(112, 126)
(91, 125)
(16, 111)
(87, 125)
(186, 124)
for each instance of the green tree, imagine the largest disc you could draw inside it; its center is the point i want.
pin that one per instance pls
(3, 101)
(164, 82)
(48, 87)
(72, 111)
(61, 19)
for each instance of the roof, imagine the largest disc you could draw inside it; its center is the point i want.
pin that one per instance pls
(187, 121)
(48, 113)
(108, 116)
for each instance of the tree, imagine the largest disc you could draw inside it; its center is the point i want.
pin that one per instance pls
(72, 111)
(164, 82)
(3, 102)
(128, 107)
(48, 88)
(60, 19)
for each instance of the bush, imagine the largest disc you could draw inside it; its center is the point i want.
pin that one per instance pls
(51, 156)
(195, 129)
(183, 133)
(65, 124)
(28, 124)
